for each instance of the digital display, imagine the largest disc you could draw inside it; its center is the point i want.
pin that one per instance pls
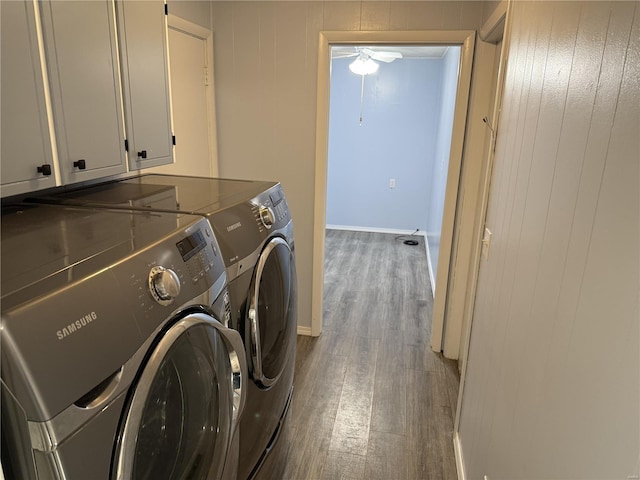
(191, 245)
(276, 197)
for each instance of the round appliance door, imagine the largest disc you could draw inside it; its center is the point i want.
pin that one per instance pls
(272, 311)
(185, 405)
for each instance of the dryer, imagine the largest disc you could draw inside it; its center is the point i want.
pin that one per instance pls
(256, 240)
(116, 363)
(254, 228)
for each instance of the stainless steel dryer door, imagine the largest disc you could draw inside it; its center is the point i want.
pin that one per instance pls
(272, 312)
(185, 405)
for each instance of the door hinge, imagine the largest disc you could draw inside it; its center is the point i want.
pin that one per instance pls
(126, 145)
(166, 9)
(206, 76)
(173, 139)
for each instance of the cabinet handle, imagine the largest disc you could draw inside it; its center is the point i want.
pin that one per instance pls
(80, 164)
(45, 170)
(142, 154)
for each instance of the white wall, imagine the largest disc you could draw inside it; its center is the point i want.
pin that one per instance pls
(440, 164)
(266, 81)
(196, 11)
(553, 377)
(396, 140)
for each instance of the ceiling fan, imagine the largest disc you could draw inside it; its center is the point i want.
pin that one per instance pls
(364, 63)
(386, 56)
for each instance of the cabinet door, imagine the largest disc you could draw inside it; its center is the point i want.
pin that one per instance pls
(145, 79)
(80, 39)
(26, 144)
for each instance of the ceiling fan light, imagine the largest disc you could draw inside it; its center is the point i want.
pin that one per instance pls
(361, 66)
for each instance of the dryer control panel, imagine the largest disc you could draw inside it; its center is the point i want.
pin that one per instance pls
(243, 229)
(270, 209)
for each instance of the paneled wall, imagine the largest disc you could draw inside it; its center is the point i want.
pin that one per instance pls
(553, 376)
(266, 56)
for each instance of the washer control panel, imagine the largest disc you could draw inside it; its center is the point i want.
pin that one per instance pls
(199, 253)
(171, 272)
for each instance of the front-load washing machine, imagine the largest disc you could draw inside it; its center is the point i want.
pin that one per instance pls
(115, 360)
(253, 225)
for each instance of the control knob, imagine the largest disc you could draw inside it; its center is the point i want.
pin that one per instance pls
(267, 216)
(164, 285)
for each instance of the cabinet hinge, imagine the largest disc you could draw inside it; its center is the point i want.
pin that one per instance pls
(126, 145)
(173, 139)
(166, 9)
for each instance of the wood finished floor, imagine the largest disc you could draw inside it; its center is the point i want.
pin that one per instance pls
(371, 400)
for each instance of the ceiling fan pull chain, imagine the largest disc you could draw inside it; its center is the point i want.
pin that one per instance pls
(361, 98)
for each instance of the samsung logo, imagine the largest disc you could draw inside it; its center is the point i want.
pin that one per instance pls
(233, 227)
(77, 325)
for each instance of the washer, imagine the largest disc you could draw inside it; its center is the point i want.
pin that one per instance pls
(115, 362)
(253, 225)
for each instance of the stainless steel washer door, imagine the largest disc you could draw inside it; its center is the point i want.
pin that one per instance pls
(185, 406)
(272, 312)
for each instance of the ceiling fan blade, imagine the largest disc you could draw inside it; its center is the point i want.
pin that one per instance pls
(381, 55)
(343, 51)
(343, 54)
(386, 57)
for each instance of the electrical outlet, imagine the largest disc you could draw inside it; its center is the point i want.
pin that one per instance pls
(392, 183)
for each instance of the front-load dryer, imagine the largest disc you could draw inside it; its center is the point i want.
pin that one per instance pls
(252, 223)
(115, 362)
(259, 248)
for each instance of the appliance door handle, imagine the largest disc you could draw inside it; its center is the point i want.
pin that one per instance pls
(253, 315)
(239, 372)
(254, 347)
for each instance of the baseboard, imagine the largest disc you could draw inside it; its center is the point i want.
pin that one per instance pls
(457, 448)
(373, 229)
(432, 277)
(305, 331)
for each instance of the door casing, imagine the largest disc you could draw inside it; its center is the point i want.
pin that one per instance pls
(466, 40)
(180, 26)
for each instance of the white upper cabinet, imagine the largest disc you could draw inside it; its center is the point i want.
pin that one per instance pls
(27, 162)
(63, 65)
(82, 60)
(145, 78)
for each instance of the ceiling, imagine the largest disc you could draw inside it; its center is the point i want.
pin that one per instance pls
(407, 51)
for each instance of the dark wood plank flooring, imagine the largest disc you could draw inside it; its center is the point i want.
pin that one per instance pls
(371, 400)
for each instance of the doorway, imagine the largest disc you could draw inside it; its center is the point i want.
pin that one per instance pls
(464, 39)
(389, 140)
(192, 100)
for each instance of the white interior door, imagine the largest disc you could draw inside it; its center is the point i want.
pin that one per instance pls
(191, 105)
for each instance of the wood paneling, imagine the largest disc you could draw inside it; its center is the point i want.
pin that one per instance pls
(553, 376)
(371, 399)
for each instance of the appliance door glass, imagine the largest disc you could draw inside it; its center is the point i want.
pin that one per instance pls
(272, 315)
(181, 413)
